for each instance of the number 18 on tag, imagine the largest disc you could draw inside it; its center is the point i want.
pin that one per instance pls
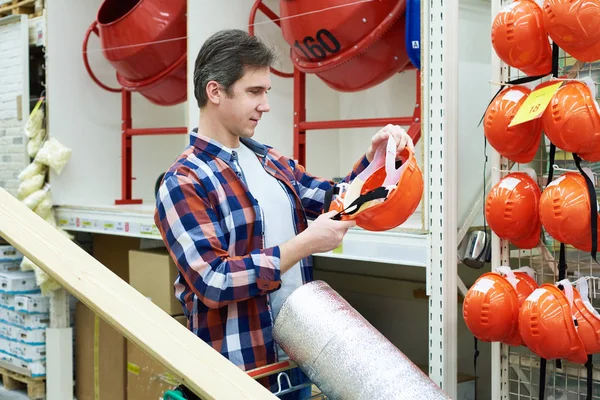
(535, 104)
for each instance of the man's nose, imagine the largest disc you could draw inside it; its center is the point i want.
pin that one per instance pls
(264, 107)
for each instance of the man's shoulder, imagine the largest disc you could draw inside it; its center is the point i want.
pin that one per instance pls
(267, 150)
(194, 163)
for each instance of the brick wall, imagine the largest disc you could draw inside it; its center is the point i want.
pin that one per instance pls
(13, 143)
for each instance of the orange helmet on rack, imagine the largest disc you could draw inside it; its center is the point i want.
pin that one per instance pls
(398, 191)
(565, 211)
(547, 324)
(519, 143)
(512, 209)
(572, 119)
(588, 319)
(573, 25)
(491, 305)
(520, 38)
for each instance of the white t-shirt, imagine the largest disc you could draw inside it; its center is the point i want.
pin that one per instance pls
(278, 220)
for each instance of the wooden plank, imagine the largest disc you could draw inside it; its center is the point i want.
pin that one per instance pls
(196, 364)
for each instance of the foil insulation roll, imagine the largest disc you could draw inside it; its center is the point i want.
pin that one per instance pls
(342, 353)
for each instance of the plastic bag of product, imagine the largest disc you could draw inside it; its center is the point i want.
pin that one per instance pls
(30, 185)
(44, 207)
(35, 121)
(53, 154)
(36, 197)
(34, 143)
(46, 283)
(35, 168)
(27, 264)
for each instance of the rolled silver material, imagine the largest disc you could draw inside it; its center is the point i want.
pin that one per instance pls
(344, 355)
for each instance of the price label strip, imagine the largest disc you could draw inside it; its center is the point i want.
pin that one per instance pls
(535, 104)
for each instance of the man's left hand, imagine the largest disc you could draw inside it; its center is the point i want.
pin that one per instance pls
(400, 136)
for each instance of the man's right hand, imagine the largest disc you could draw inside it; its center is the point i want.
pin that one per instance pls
(325, 234)
(322, 235)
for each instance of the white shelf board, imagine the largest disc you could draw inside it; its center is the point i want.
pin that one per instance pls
(392, 247)
(126, 220)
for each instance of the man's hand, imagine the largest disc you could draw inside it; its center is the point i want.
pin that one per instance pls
(400, 136)
(325, 234)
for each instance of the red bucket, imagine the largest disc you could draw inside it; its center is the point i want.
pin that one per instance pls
(166, 88)
(145, 41)
(350, 47)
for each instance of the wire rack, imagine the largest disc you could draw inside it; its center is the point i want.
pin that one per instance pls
(285, 386)
(569, 381)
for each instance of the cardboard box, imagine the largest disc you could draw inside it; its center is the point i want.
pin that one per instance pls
(18, 282)
(8, 253)
(10, 265)
(29, 321)
(146, 377)
(32, 303)
(110, 355)
(113, 252)
(152, 273)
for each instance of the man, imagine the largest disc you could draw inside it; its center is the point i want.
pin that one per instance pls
(233, 212)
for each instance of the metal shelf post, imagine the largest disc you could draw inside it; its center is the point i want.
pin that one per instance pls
(440, 127)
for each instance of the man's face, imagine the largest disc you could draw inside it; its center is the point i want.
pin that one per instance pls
(241, 111)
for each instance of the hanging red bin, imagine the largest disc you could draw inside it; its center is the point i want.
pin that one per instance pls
(350, 47)
(145, 41)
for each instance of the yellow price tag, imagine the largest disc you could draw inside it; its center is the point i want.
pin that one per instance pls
(339, 249)
(535, 104)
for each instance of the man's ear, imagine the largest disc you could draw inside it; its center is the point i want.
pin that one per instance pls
(213, 93)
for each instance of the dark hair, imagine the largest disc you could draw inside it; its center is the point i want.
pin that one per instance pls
(224, 58)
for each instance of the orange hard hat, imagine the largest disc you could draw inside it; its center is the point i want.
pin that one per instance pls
(565, 211)
(573, 26)
(548, 326)
(518, 143)
(382, 196)
(572, 119)
(588, 319)
(512, 209)
(491, 305)
(520, 38)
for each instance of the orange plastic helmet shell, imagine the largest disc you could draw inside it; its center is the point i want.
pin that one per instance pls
(565, 211)
(404, 194)
(350, 48)
(401, 203)
(547, 327)
(520, 38)
(572, 119)
(512, 209)
(518, 143)
(588, 319)
(491, 305)
(573, 25)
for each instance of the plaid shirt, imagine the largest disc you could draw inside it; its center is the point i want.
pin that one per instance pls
(213, 229)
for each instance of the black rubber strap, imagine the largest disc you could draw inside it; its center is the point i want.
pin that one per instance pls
(375, 194)
(562, 263)
(590, 372)
(335, 189)
(518, 81)
(542, 378)
(475, 367)
(593, 207)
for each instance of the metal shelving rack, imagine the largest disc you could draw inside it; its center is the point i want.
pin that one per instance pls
(439, 68)
(515, 371)
(434, 250)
